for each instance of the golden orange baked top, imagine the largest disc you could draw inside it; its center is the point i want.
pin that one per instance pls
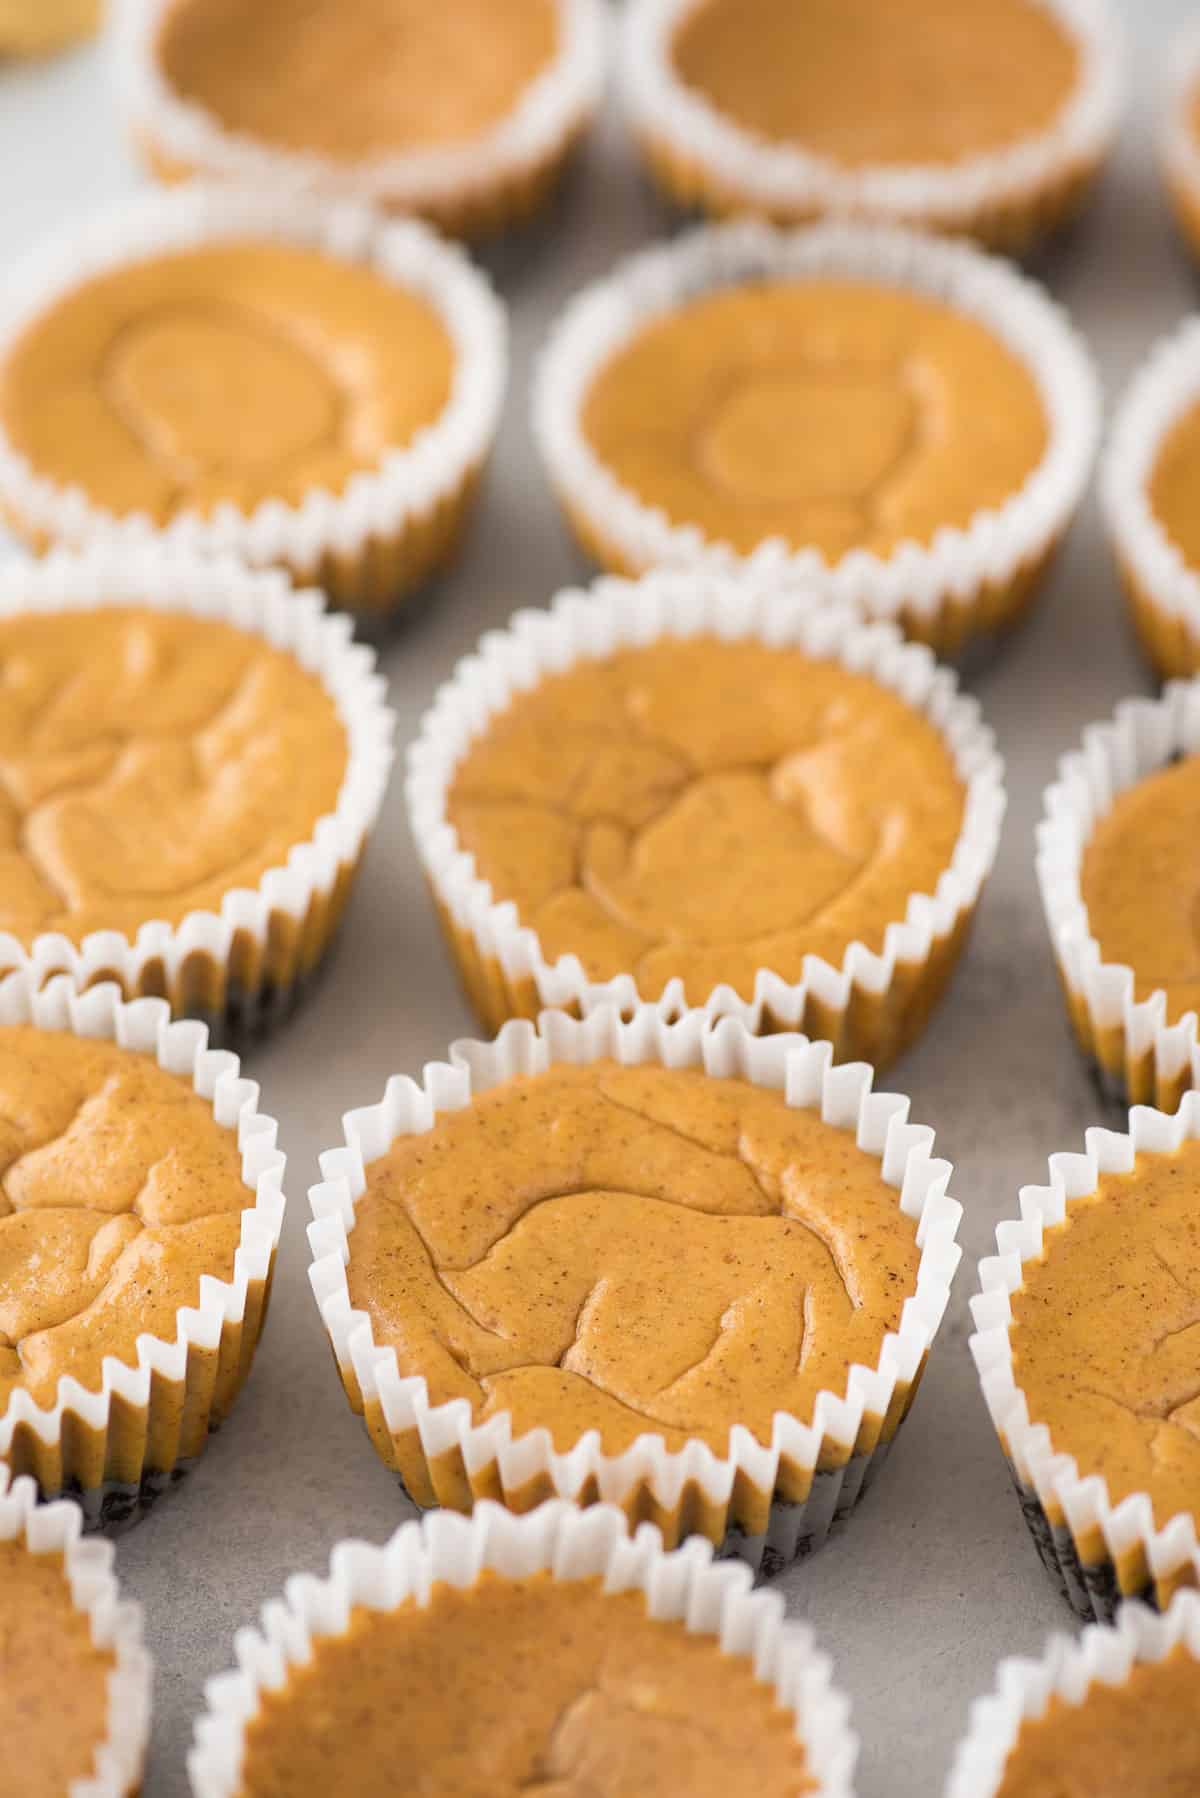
(236, 372)
(831, 413)
(866, 82)
(522, 1685)
(1141, 886)
(54, 1689)
(37, 27)
(118, 1190)
(1106, 1333)
(357, 79)
(631, 1250)
(1141, 1736)
(706, 809)
(151, 762)
(1173, 485)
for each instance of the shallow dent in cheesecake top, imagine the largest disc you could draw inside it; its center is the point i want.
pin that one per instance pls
(54, 1690)
(1142, 889)
(118, 1191)
(631, 1250)
(236, 372)
(705, 809)
(525, 1685)
(1106, 1332)
(869, 82)
(833, 414)
(356, 79)
(1141, 1736)
(151, 762)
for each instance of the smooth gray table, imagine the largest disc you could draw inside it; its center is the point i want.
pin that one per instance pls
(934, 1579)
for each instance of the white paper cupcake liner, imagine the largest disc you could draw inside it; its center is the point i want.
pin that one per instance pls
(1097, 1552)
(241, 969)
(966, 580)
(115, 1624)
(1179, 150)
(568, 1544)
(472, 187)
(766, 1503)
(366, 545)
(116, 1450)
(1008, 197)
(871, 1005)
(1163, 592)
(1068, 1671)
(1135, 1054)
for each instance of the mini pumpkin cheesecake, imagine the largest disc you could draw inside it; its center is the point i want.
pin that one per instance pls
(994, 127)
(659, 1265)
(184, 798)
(1112, 1713)
(506, 1655)
(75, 1698)
(702, 794)
(300, 386)
(1087, 1347)
(139, 1215)
(1179, 146)
(467, 114)
(1151, 491)
(40, 27)
(905, 423)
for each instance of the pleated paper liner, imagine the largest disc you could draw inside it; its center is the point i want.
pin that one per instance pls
(1069, 1670)
(568, 1544)
(871, 1006)
(115, 1624)
(118, 1449)
(372, 545)
(967, 586)
(241, 970)
(1137, 1056)
(1009, 199)
(1162, 591)
(1098, 1553)
(475, 188)
(1179, 144)
(767, 1503)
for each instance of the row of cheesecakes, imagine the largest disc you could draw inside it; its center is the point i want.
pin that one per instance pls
(317, 389)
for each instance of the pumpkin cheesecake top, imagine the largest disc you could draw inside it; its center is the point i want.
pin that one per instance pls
(706, 809)
(118, 1191)
(54, 1693)
(833, 414)
(150, 763)
(632, 1250)
(1173, 485)
(232, 372)
(1141, 887)
(1141, 1736)
(867, 82)
(357, 79)
(1106, 1333)
(522, 1685)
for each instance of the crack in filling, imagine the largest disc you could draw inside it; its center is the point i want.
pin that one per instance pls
(705, 809)
(119, 1191)
(625, 1249)
(150, 763)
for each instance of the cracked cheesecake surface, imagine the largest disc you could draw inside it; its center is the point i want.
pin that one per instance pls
(1140, 882)
(1106, 1332)
(530, 1685)
(227, 373)
(54, 1689)
(118, 1192)
(632, 1250)
(706, 809)
(150, 763)
(834, 414)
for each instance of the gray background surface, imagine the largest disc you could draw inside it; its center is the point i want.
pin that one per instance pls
(934, 1578)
